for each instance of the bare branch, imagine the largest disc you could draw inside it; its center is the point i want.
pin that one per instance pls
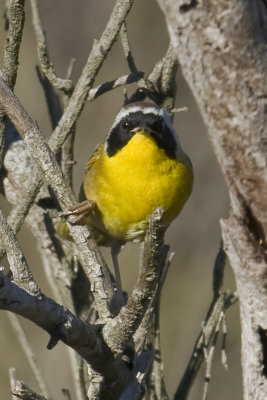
(209, 353)
(76, 103)
(12, 44)
(18, 265)
(107, 86)
(88, 252)
(61, 324)
(20, 210)
(11, 54)
(67, 150)
(167, 83)
(219, 305)
(46, 66)
(159, 85)
(96, 58)
(119, 331)
(126, 48)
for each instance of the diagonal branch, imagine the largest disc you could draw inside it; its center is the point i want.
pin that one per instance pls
(107, 86)
(75, 106)
(61, 324)
(89, 254)
(96, 58)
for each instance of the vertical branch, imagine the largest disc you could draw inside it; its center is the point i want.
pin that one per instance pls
(167, 80)
(11, 55)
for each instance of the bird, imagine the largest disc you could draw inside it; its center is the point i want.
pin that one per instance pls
(139, 167)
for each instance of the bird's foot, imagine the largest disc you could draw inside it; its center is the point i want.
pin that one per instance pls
(79, 210)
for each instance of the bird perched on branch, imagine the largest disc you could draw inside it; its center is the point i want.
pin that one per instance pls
(139, 167)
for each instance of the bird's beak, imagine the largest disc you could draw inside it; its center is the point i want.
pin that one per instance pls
(141, 129)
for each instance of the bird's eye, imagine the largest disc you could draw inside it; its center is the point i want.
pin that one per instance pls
(126, 125)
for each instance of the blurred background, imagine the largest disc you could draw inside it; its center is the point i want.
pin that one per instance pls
(71, 27)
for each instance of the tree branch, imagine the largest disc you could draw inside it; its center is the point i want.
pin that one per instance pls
(88, 252)
(96, 58)
(18, 265)
(119, 331)
(76, 104)
(16, 19)
(61, 324)
(46, 66)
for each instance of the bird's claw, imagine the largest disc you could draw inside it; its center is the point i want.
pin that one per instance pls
(79, 209)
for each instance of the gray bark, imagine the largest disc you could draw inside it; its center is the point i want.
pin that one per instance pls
(221, 48)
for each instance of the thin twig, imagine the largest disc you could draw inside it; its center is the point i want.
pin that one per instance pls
(28, 351)
(127, 49)
(209, 357)
(159, 85)
(18, 265)
(157, 376)
(107, 86)
(96, 58)
(221, 301)
(46, 66)
(219, 305)
(178, 110)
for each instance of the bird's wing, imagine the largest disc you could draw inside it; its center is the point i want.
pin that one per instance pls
(95, 156)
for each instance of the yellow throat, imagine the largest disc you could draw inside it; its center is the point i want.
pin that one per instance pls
(131, 184)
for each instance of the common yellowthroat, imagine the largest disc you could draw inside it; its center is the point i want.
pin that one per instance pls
(139, 167)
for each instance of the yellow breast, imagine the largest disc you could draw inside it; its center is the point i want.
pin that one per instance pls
(130, 185)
